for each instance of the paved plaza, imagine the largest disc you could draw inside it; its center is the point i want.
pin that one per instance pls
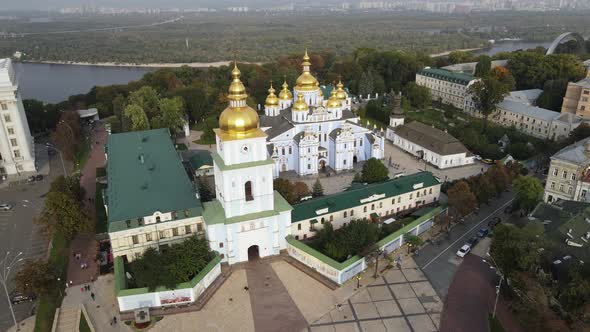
(398, 300)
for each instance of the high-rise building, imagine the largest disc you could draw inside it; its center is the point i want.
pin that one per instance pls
(17, 155)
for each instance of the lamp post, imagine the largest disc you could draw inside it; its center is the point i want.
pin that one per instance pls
(6, 266)
(499, 283)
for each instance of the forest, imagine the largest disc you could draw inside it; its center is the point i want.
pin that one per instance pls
(259, 37)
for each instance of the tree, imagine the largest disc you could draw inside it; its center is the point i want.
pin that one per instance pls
(412, 240)
(170, 115)
(146, 98)
(317, 190)
(483, 189)
(35, 277)
(286, 189)
(553, 93)
(456, 57)
(300, 189)
(137, 117)
(205, 192)
(517, 249)
(419, 96)
(352, 239)
(503, 75)
(374, 171)
(486, 94)
(67, 134)
(358, 178)
(528, 192)
(461, 200)
(581, 132)
(119, 112)
(483, 67)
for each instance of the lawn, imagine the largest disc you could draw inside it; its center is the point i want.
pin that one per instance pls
(83, 326)
(495, 325)
(58, 258)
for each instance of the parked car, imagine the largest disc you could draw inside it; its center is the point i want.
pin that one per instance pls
(483, 232)
(464, 250)
(39, 177)
(16, 297)
(31, 179)
(6, 207)
(494, 222)
(473, 241)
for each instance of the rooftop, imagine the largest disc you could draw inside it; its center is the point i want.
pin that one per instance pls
(359, 193)
(448, 76)
(516, 106)
(431, 138)
(584, 82)
(526, 96)
(145, 175)
(198, 158)
(575, 153)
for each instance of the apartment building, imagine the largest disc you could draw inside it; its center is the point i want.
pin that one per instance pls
(569, 174)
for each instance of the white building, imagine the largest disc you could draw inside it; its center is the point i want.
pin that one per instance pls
(518, 110)
(448, 87)
(569, 174)
(308, 133)
(17, 155)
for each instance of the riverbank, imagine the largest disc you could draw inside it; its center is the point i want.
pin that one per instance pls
(436, 55)
(142, 65)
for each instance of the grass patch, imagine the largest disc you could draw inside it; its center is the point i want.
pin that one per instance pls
(495, 325)
(58, 257)
(83, 326)
(101, 225)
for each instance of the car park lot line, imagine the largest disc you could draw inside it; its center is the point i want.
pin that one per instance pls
(462, 236)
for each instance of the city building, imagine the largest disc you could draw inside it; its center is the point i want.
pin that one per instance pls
(307, 132)
(577, 98)
(517, 110)
(448, 87)
(569, 174)
(150, 201)
(17, 154)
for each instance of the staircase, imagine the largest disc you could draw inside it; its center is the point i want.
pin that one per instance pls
(67, 319)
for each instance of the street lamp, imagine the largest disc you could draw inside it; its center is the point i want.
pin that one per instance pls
(6, 266)
(499, 283)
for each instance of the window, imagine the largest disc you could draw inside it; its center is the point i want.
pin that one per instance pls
(10, 131)
(220, 244)
(552, 186)
(417, 194)
(283, 150)
(136, 255)
(365, 209)
(573, 177)
(296, 237)
(290, 150)
(4, 107)
(555, 171)
(248, 191)
(199, 228)
(372, 207)
(430, 191)
(561, 187)
(299, 226)
(345, 214)
(361, 142)
(411, 196)
(162, 234)
(13, 142)
(380, 205)
(351, 213)
(16, 154)
(7, 118)
(331, 218)
(322, 221)
(399, 199)
(304, 236)
(570, 190)
(135, 239)
(175, 231)
(583, 194)
(564, 175)
(148, 237)
(344, 162)
(158, 219)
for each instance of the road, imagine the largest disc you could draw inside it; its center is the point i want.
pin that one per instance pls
(440, 262)
(19, 233)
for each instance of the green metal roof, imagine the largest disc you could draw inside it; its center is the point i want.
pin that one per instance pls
(145, 175)
(214, 214)
(446, 75)
(200, 158)
(346, 199)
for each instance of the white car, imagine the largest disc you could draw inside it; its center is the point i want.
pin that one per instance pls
(5, 207)
(464, 250)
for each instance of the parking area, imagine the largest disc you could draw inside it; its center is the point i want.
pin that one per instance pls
(19, 233)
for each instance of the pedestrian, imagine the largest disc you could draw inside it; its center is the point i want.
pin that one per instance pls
(71, 283)
(115, 319)
(92, 296)
(82, 289)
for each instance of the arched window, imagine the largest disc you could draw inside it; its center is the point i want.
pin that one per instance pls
(372, 207)
(365, 209)
(248, 191)
(283, 150)
(157, 219)
(345, 214)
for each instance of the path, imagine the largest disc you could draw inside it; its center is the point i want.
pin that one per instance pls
(85, 243)
(272, 307)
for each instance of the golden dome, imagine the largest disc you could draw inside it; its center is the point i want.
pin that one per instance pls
(271, 99)
(238, 119)
(300, 104)
(334, 102)
(306, 81)
(285, 94)
(340, 93)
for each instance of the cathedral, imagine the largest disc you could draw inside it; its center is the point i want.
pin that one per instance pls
(309, 132)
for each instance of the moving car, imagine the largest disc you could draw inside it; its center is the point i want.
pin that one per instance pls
(483, 232)
(487, 161)
(464, 250)
(16, 297)
(5, 207)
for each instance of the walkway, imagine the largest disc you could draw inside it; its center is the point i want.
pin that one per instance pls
(399, 300)
(272, 307)
(85, 243)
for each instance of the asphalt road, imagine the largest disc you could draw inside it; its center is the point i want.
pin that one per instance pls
(439, 262)
(19, 233)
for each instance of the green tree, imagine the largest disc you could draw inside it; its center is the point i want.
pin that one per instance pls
(528, 191)
(35, 277)
(412, 240)
(119, 113)
(170, 116)
(137, 117)
(581, 132)
(419, 96)
(486, 94)
(68, 134)
(352, 239)
(146, 98)
(483, 67)
(374, 171)
(358, 178)
(484, 189)
(205, 192)
(317, 190)
(456, 57)
(517, 249)
(286, 189)
(461, 200)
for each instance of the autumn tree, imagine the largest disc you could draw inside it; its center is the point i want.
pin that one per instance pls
(503, 75)
(286, 189)
(35, 277)
(301, 190)
(461, 200)
(68, 134)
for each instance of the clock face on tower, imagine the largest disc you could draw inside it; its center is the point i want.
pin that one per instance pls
(245, 148)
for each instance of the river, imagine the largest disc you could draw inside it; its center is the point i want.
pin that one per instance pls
(56, 82)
